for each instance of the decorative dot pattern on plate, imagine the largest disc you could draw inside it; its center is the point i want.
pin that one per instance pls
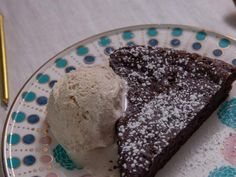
(28, 139)
(131, 43)
(52, 83)
(217, 52)
(127, 35)
(225, 171)
(175, 42)
(69, 69)
(82, 50)
(104, 41)
(153, 42)
(61, 62)
(28, 96)
(18, 116)
(201, 35)
(29, 160)
(89, 59)
(223, 43)
(13, 139)
(42, 78)
(33, 119)
(63, 159)
(152, 32)
(229, 149)
(42, 100)
(13, 162)
(177, 32)
(196, 45)
(108, 50)
(234, 61)
(45, 140)
(227, 113)
(46, 159)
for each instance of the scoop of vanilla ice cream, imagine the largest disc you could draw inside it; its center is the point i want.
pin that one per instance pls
(84, 107)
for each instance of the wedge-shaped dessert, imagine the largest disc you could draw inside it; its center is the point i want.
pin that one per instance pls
(170, 94)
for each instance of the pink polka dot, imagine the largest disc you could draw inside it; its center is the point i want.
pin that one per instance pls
(46, 159)
(45, 140)
(229, 150)
(52, 175)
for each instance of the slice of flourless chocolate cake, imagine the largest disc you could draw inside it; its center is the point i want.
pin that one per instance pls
(170, 94)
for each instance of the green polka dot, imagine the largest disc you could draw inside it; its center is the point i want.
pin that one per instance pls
(18, 117)
(28, 96)
(61, 63)
(43, 78)
(13, 162)
(82, 50)
(201, 35)
(224, 171)
(152, 32)
(104, 41)
(61, 157)
(223, 43)
(127, 35)
(13, 139)
(177, 32)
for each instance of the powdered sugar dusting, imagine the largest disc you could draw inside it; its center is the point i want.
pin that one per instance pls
(167, 89)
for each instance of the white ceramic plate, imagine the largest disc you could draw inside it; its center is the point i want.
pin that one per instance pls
(29, 151)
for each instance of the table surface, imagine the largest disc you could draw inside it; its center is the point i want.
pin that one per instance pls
(37, 30)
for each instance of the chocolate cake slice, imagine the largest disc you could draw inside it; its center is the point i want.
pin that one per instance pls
(170, 94)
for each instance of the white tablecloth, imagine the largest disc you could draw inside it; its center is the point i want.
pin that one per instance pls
(38, 29)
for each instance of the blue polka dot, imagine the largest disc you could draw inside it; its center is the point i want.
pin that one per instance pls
(52, 83)
(217, 52)
(127, 35)
(153, 42)
(152, 32)
(61, 63)
(82, 50)
(33, 118)
(13, 162)
(29, 160)
(227, 113)
(108, 50)
(13, 139)
(42, 78)
(223, 43)
(89, 59)
(196, 45)
(131, 43)
(69, 69)
(177, 32)
(234, 61)
(104, 41)
(42, 100)
(175, 42)
(201, 35)
(38, 76)
(225, 171)
(18, 116)
(29, 96)
(28, 139)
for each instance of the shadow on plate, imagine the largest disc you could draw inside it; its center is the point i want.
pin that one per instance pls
(231, 19)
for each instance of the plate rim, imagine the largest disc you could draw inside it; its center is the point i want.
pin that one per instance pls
(132, 27)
